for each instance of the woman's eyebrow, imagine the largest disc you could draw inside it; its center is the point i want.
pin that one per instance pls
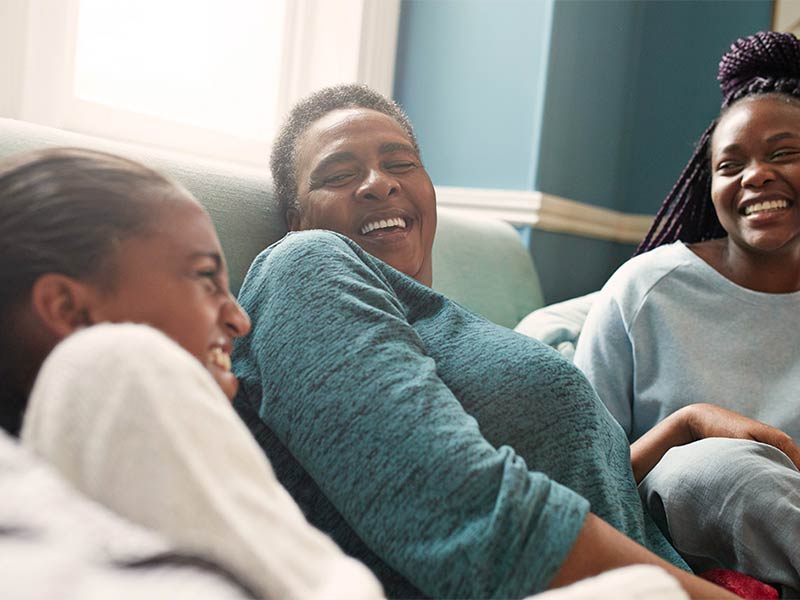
(390, 147)
(331, 159)
(729, 148)
(783, 135)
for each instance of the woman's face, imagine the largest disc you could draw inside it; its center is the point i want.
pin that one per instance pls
(174, 278)
(755, 181)
(359, 175)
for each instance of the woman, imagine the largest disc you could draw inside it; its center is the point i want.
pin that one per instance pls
(708, 313)
(134, 416)
(452, 456)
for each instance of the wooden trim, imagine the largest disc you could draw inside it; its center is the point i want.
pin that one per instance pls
(547, 212)
(379, 28)
(786, 16)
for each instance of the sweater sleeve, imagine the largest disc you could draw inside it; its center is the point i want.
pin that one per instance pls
(605, 356)
(136, 423)
(344, 380)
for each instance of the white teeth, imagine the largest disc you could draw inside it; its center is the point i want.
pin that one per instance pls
(219, 358)
(383, 224)
(764, 206)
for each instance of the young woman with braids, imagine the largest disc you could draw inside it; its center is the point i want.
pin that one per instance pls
(709, 312)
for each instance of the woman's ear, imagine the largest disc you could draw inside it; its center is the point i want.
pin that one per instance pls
(61, 303)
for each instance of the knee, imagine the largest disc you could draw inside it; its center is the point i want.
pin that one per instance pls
(716, 470)
(711, 460)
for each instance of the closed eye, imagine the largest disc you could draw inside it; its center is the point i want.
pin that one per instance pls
(210, 281)
(785, 153)
(401, 166)
(339, 179)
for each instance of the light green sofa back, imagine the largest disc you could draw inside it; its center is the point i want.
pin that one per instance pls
(480, 263)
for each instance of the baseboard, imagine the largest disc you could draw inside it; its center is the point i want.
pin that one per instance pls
(547, 212)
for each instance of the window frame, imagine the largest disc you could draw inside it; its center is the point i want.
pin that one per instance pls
(324, 43)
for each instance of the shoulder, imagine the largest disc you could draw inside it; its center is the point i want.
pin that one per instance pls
(636, 278)
(632, 284)
(306, 255)
(116, 343)
(319, 244)
(118, 351)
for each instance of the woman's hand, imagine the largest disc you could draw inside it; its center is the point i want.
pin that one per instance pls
(699, 421)
(707, 420)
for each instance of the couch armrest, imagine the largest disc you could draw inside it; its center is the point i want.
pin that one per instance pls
(483, 265)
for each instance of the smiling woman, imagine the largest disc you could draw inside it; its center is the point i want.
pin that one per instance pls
(359, 174)
(90, 238)
(708, 313)
(755, 182)
(441, 449)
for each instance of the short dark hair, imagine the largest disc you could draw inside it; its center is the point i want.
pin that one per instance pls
(64, 210)
(309, 110)
(764, 64)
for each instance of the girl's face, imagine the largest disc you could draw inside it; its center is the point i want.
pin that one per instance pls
(755, 181)
(174, 278)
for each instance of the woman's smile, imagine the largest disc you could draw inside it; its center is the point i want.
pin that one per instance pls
(755, 159)
(359, 174)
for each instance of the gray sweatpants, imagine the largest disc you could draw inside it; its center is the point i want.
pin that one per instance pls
(729, 503)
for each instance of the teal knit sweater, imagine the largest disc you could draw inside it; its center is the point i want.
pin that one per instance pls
(454, 457)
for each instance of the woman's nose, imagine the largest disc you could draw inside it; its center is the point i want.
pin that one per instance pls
(235, 320)
(757, 174)
(377, 185)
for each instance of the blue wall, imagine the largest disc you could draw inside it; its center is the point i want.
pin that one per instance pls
(587, 102)
(676, 93)
(470, 74)
(595, 100)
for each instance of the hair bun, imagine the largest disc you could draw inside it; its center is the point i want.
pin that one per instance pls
(761, 62)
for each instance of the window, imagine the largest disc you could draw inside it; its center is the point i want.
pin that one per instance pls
(211, 77)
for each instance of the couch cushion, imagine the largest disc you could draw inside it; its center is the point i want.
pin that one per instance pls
(239, 199)
(558, 325)
(483, 264)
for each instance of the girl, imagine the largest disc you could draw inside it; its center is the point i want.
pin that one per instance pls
(136, 416)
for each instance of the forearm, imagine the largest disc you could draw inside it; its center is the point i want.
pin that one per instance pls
(600, 548)
(699, 421)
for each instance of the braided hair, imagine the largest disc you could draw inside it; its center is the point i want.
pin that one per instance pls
(764, 63)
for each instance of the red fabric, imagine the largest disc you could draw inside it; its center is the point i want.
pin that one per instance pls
(740, 584)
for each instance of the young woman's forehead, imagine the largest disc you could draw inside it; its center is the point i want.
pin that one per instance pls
(759, 116)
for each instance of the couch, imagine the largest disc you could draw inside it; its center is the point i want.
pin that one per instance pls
(480, 263)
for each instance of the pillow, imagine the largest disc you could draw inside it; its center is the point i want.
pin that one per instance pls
(558, 325)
